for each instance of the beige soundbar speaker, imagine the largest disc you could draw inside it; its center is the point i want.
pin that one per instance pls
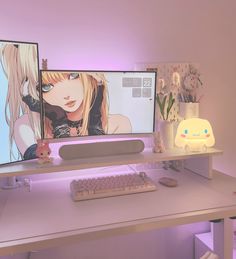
(101, 149)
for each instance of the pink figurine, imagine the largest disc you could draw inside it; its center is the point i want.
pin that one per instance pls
(43, 152)
(158, 143)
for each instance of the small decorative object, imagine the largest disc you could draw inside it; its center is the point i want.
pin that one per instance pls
(162, 87)
(194, 135)
(158, 143)
(176, 81)
(189, 110)
(43, 152)
(44, 64)
(188, 96)
(167, 181)
(165, 103)
(190, 86)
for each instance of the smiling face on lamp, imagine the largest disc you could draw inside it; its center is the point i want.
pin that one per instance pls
(194, 132)
(67, 94)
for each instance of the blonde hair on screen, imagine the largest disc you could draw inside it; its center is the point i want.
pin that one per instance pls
(90, 88)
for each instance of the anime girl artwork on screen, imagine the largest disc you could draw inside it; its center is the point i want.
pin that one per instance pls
(76, 104)
(19, 126)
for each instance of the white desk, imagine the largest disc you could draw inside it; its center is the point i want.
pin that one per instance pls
(47, 216)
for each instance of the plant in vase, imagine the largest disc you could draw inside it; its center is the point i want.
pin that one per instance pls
(161, 101)
(189, 97)
(190, 86)
(165, 104)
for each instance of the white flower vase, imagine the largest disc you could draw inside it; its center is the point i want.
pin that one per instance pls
(189, 110)
(167, 134)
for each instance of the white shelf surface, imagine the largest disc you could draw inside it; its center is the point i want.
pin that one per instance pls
(47, 216)
(59, 165)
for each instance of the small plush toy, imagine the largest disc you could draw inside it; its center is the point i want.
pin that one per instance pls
(158, 143)
(43, 152)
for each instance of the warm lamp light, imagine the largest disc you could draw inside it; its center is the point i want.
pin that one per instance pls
(194, 135)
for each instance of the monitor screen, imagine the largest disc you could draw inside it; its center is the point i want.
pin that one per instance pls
(19, 127)
(87, 103)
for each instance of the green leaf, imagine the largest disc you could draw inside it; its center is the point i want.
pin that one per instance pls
(161, 104)
(170, 104)
(169, 101)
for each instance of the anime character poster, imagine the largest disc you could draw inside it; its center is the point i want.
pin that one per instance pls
(81, 103)
(19, 127)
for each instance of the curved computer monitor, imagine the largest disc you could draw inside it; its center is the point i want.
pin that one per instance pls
(96, 103)
(19, 127)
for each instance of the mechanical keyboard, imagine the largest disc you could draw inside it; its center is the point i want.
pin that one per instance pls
(101, 187)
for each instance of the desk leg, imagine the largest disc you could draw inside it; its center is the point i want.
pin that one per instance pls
(223, 238)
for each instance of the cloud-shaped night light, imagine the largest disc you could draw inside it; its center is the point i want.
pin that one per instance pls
(194, 135)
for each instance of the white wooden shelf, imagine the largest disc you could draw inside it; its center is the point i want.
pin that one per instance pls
(59, 165)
